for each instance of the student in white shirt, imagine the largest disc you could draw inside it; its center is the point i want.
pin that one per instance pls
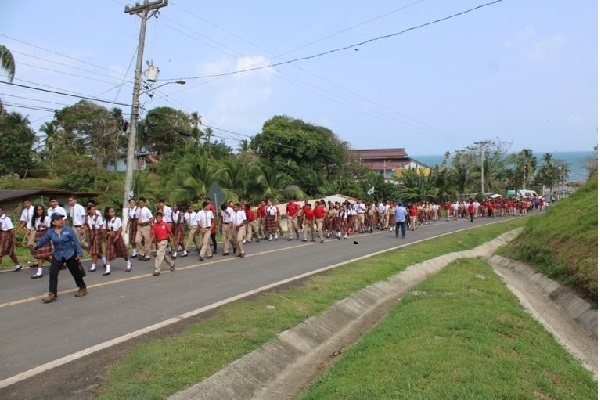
(94, 225)
(54, 208)
(7, 239)
(191, 219)
(132, 224)
(143, 237)
(226, 228)
(206, 219)
(25, 221)
(115, 245)
(239, 222)
(78, 214)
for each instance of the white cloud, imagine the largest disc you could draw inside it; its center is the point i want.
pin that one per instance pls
(534, 49)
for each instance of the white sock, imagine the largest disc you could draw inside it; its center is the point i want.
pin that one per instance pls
(185, 252)
(134, 253)
(39, 273)
(93, 266)
(107, 268)
(103, 260)
(128, 264)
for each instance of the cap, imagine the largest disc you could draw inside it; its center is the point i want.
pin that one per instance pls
(56, 216)
(399, 202)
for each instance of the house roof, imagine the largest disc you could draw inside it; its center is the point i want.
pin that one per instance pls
(381, 154)
(16, 194)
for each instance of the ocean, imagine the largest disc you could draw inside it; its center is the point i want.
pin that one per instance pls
(575, 159)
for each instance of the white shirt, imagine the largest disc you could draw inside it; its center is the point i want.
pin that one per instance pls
(227, 215)
(114, 224)
(26, 216)
(133, 213)
(205, 218)
(6, 223)
(381, 208)
(167, 214)
(360, 208)
(95, 222)
(144, 214)
(40, 225)
(191, 218)
(271, 210)
(57, 209)
(238, 217)
(77, 214)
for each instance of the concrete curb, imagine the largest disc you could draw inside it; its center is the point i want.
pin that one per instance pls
(286, 364)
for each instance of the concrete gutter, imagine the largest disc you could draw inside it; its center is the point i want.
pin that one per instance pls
(280, 369)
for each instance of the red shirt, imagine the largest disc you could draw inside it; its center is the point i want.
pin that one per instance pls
(161, 231)
(262, 211)
(447, 206)
(413, 211)
(471, 208)
(320, 212)
(291, 209)
(250, 215)
(309, 213)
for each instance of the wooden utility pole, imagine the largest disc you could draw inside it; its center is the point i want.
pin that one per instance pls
(145, 10)
(481, 145)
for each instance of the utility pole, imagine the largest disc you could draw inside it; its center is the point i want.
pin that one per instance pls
(481, 144)
(144, 10)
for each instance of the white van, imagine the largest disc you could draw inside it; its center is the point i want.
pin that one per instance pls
(526, 193)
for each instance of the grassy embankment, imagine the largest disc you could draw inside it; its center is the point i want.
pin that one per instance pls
(563, 242)
(159, 368)
(459, 335)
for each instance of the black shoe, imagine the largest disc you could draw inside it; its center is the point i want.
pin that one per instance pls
(106, 274)
(201, 259)
(36, 276)
(225, 254)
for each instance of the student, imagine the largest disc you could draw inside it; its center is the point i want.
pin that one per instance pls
(213, 230)
(94, 224)
(143, 239)
(271, 221)
(25, 221)
(132, 224)
(309, 223)
(239, 222)
(191, 219)
(226, 228)
(341, 218)
(291, 210)
(40, 223)
(7, 239)
(54, 208)
(115, 245)
(251, 225)
(77, 214)
(66, 250)
(206, 220)
(161, 232)
(320, 214)
(178, 229)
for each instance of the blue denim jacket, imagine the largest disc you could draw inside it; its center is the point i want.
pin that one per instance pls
(65, 244)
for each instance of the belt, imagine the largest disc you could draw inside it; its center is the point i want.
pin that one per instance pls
(225, 223)
(162, 240)
(76, 226)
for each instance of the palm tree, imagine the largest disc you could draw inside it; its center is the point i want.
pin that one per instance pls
(193, 177)
(7, 63)
(234, 177)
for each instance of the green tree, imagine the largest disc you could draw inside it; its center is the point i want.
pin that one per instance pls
(309, 154)
(417, 187)
(522, 168)
(16, 141)
(166, 129)
(7, 63)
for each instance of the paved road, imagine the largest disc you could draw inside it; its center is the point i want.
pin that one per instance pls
(34, 333)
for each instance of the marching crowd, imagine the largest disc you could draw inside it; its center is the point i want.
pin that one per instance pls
(176, 230)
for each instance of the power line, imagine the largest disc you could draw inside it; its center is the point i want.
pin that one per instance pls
(348, 47)
(65, 94)
(66, 73)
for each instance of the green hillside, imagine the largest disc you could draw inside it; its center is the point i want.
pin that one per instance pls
(563, 242)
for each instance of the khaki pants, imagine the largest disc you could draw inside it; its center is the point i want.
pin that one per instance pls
(252, 227)
(413, 222)
(29, 238)
(361, 223)
(309, 225)
(262, 227)
(293, 226)
(227, 239)
(240, 235)
(143, 234)
(161, 254)
(206, 249)
(193, 237)
(319, 223)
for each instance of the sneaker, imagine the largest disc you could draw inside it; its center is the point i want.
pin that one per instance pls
(36, 276)
(17, 268)
(92, 269)
(244, 241)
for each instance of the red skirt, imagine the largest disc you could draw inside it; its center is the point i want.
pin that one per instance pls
(178, 233)
(45, 251)
(7, 244)
(271, 224)
(95, 242)
(115, 248)
(340, 224)
(133, 227)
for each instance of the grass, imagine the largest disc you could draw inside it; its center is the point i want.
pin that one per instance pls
(563, 242)
(159, 368)
(459, 335)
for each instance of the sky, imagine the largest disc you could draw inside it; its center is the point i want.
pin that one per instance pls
(523, 72)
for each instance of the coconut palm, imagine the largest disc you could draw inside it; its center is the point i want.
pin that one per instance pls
(7, 63)
(192, 178)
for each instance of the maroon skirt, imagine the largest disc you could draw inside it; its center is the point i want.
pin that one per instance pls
(7, 244)
(45, 251)
(133, 225)
(271, 224)
(95, 242)
(115, 248)
(178, 233)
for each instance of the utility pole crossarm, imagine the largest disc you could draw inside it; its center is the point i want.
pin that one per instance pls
(147, 6)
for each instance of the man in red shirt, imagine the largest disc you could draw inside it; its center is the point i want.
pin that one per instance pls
(291, 210)
(471, 209)
(309, 222)
(447, 207)
(251, 224)
(320, 213)
(161, 232)
(261, 212)
(413, 211)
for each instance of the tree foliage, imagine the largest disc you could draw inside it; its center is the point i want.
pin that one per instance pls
(16, 142)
